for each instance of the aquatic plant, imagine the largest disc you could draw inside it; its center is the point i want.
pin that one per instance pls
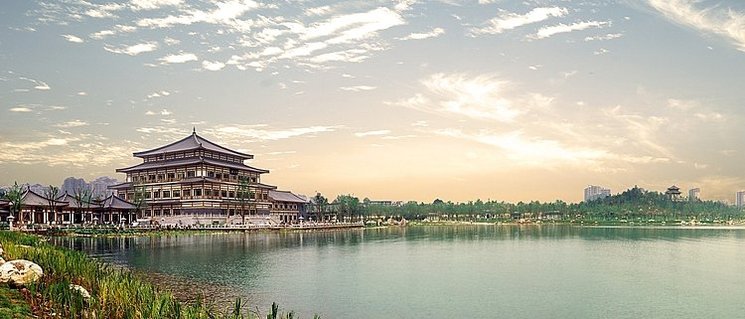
(115, 293)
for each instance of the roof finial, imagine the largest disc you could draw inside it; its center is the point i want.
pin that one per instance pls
(193, 130)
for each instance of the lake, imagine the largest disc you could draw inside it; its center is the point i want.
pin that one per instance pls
(452, 271)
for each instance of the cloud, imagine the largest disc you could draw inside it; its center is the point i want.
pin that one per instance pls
(527, 150)
(149, 113)
(72, 38)
(261, 133)
(81, 93)
(178, 58)
(508, 20)
(226, 13)
(40, 85)
(482, 97)
(212, 66)
(358, 88)
(549, 31)
(20, 109)
(724, 22)
(165, 112)
(133, 50)
(73, 123)
(153, 4)
(436, 32)
(609, 36)
(171, 41)
(372, 133)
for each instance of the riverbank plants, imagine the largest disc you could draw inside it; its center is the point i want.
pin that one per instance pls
(115, 293)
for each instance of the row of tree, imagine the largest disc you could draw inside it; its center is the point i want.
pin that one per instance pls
(634, 203)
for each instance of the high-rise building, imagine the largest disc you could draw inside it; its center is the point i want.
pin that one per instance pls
(740, 199)
(694, 194)
(593, 192)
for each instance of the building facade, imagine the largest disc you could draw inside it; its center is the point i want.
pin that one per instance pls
(288, 208)
(740, 199)
(694, 194)
(195, 181)
(593, 192)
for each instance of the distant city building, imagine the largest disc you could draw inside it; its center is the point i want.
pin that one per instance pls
(673, 193)
(593, 192)
(694, 194)
(740, 199)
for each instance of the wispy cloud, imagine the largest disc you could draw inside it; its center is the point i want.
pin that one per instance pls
(372, 133)
(436, 32)
(358, 88)
(212, 66)
(549, 31)
(39, 85)
(133, 49)
(722, 21)
(73, 123)
(508, 20)
(178, 58)
(20, 109)
(72, 38)
(605, 37)
(263, 133)
(482, 97)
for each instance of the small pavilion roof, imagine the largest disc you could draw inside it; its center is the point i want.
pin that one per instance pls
(116, 203)
(192, 142)
(33, 199)
(188, 161)
(285, 196)
(261, 185)
(72, 202)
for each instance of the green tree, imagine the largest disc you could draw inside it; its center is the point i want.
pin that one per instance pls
(15, 195)
(243, 194)
(139, 198)
(320, 203)
(51, 193)
(83, 196)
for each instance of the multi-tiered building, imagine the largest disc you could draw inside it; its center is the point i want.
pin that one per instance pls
(195, 181)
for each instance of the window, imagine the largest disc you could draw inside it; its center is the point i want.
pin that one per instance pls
(210, 174)
(160, 177)
(151, 177)
(251, 195)
(187, 192)
(197, 192)
(190, 174)
(224, 194)
(218, 175)
(176, 194)
(156, 194)
(171, 175)
(180, 175)
(147, 194)
(166, 194)
(231, 194)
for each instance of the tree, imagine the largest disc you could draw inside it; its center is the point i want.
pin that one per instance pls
(243, 193)
(139, 198)
(15, 195)
(320, 203)
(51, 193)
(82, 195)
(348, 205)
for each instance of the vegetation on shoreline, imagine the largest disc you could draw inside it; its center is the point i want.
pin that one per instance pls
(115, 293)
(634, 204)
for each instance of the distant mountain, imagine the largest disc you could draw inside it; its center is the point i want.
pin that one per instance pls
(98, 186)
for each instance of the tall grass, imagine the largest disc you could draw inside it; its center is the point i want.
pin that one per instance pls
(115, 293)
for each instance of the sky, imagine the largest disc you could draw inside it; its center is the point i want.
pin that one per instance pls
(400, 100)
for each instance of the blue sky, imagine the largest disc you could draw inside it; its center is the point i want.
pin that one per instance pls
(385, 99)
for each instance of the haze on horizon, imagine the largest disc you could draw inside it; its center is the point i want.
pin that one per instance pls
(506, 100)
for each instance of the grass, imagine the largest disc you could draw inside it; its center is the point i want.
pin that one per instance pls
(13, 305)
(115, 293)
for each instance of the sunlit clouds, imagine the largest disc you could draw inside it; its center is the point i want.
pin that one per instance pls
(404, 100)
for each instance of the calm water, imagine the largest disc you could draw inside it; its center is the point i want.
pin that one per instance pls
(455, 272)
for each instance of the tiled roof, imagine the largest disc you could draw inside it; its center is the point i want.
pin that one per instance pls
(33, 199)
(285, 196)
(114, 202)
(188, 161)
(192, 142)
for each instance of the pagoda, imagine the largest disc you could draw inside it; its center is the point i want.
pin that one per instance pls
(195, 181)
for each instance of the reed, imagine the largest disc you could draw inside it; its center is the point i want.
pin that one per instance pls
(115, 293)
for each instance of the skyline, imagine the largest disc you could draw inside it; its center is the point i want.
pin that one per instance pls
(455, 100)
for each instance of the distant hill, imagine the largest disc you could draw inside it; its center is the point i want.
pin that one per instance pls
(98, 186)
